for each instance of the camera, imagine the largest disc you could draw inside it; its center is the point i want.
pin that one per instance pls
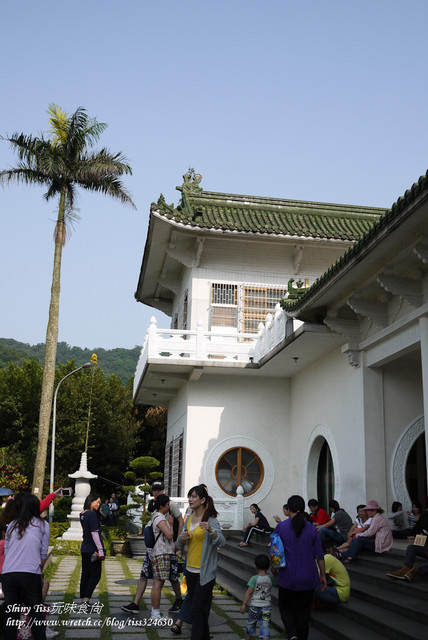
(66, 493)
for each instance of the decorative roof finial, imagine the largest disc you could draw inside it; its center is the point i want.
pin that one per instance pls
(191, 181)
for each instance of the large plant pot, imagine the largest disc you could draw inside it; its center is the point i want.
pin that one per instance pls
(120, 547)
(138, 547)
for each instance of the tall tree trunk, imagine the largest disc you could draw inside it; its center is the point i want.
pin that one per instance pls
(50, 354)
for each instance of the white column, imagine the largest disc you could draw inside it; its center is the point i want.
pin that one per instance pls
(423, 326)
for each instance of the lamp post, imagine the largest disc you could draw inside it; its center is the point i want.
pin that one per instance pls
(84, 366)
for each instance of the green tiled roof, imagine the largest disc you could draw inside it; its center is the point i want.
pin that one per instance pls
(291, 306)
(229, 213)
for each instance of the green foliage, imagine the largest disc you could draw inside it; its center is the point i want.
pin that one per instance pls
(118, 432)
(62, 509)
(66, 547)
(56, 530)
(121, 362)
(114, 533)
(143, 472)
(11, 478)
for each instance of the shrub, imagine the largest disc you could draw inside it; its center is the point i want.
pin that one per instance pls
(56, 530)
(66, 547)
(11, 478)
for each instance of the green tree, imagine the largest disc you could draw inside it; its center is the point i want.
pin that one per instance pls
(113, 426)
(142, 474)
(62, 162)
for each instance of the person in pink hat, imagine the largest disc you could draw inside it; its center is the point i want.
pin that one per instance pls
(377, 538)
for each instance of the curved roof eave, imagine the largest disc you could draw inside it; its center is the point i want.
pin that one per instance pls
(245, 234)
(324, 289)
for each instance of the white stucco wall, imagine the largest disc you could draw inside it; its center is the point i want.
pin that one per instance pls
(245, 262)
(229, 411)
(177, 416)
(402, 383)
(326, 401)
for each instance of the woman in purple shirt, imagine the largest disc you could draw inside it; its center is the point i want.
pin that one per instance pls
(26, 550)
(297, 581)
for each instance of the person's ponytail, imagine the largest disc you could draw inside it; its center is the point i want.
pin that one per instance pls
(296, 505)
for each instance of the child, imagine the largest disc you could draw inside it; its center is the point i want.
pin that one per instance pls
(259, 591)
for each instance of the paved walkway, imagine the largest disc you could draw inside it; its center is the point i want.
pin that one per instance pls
(106, 621)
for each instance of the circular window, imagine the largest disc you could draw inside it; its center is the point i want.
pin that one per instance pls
(239, 467)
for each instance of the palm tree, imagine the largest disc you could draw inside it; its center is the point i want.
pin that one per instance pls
(63, 161)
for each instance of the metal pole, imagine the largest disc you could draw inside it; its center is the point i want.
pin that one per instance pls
(52, 476)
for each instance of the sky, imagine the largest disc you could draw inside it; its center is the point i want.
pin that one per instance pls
(310, 100)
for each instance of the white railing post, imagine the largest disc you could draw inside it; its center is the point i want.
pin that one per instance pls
(239, 510)
(200, 345)
(277, 323)
(152, 338)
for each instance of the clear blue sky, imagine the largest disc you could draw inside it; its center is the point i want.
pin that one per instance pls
(311, 100)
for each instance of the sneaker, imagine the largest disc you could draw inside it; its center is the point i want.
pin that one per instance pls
(131, 608)
(160, 616)
(51, 633)
(176, 606)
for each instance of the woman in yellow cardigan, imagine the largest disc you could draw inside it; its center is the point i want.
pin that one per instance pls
(201, 537)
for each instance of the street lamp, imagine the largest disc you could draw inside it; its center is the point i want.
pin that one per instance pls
(84, 366)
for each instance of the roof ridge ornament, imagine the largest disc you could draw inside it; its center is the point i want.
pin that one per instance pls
(191, 182)
(294, 293)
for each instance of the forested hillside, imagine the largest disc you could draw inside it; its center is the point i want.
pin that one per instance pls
(121, 362)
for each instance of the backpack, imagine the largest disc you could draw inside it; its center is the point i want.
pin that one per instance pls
(277, 554)
(149, 536)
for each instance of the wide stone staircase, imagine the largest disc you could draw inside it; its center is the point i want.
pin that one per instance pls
(379, 607)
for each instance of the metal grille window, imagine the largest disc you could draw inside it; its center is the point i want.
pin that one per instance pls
(239, 467)
(224, 305)
(243, 306)
(256, 303)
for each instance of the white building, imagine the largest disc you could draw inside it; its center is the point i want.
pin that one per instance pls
(324, 397)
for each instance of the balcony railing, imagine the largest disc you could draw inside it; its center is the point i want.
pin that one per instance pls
(185, 345)
(212, 347)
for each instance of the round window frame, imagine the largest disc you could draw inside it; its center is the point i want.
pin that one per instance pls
(256, 456)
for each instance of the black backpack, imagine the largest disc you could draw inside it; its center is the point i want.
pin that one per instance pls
(149, 536)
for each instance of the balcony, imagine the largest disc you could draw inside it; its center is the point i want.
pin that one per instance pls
(169, 357)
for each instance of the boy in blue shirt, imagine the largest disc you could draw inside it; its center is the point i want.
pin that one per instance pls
(258, 595)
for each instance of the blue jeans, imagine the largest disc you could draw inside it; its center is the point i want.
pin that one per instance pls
(259, 615)
(360, 544)
(329, 595)
(412, 551)
(333, 535)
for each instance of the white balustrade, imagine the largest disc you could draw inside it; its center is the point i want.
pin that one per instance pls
(210, 347)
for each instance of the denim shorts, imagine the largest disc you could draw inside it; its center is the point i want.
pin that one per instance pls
(262, 616)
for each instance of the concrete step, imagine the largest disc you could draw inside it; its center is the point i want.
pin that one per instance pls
(375, 575)
(379, 607)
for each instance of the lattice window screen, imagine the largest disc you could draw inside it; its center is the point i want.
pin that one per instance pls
(257, 301)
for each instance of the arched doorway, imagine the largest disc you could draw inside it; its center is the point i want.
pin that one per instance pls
(416, 471)
(325, 476)
(321, 468)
